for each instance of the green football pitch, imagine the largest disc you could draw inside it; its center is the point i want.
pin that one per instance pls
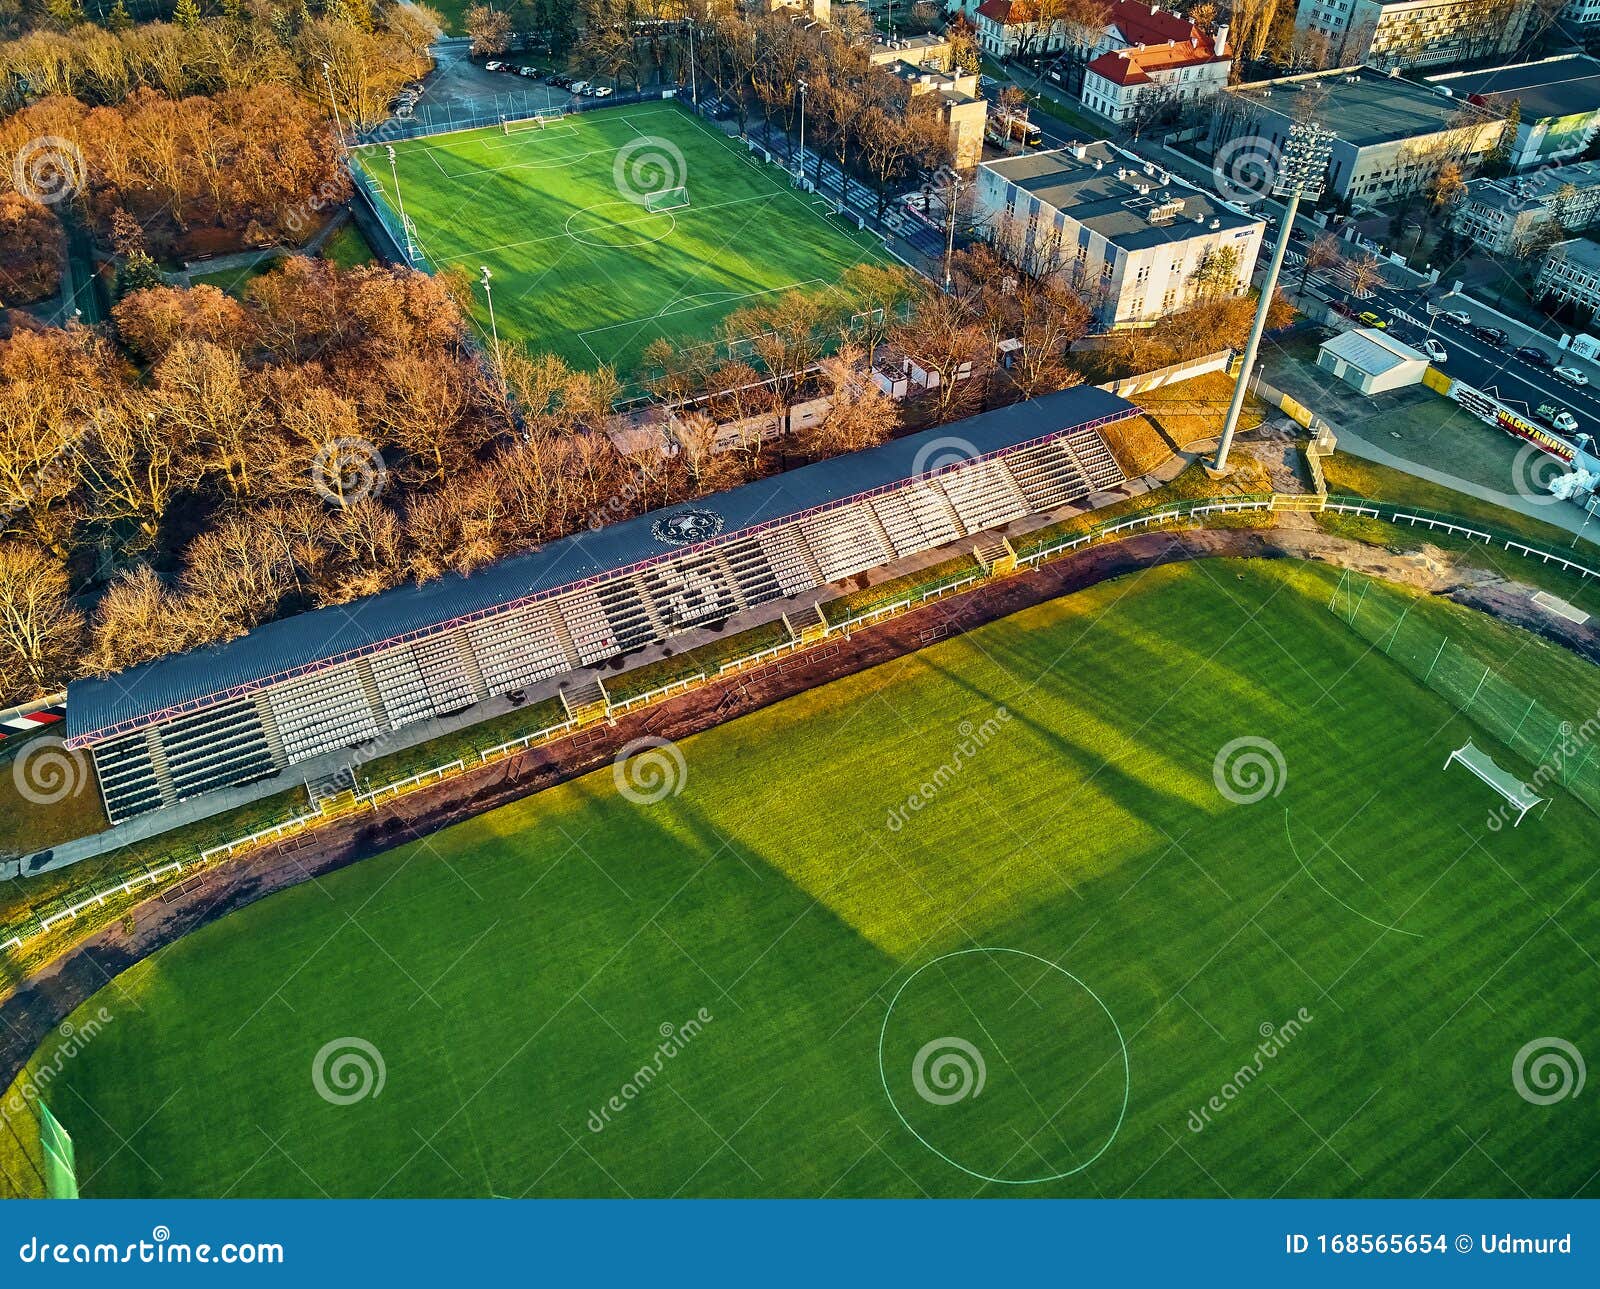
(1077, 967)
(580, 263)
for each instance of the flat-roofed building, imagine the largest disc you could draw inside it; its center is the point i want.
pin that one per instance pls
(1127, 233)
(1508, 216)
(1558, 103)
(1391, 134)
(1570, 274)
(1412, 33)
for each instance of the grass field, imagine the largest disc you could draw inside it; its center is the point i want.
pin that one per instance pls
(580, 267)
(782, 979)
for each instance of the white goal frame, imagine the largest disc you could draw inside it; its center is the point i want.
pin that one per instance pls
(657, 202)
(1507, 785)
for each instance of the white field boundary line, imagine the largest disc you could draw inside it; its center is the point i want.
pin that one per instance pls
(567, 236)
(1561, 608)
(730, 303)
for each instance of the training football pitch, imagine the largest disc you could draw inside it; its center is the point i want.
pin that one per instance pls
(1074, 966)
(580, 263)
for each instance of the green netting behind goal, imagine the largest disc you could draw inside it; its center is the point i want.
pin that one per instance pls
(37, 1160)
(1561, 749)
(60, 1160)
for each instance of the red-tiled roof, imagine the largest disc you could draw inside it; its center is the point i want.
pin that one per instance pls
(996, 11)
(1133, 66)
(1139, 24)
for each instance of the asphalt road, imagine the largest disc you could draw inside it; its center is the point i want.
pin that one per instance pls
(1494, 369)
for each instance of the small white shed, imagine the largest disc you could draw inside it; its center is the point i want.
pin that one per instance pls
(1372, 360)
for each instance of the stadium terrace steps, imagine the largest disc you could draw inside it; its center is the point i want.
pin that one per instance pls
(610, 592)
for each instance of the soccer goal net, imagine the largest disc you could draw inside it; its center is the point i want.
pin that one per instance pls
(667, 199)
(1513, 789)
(527, 123)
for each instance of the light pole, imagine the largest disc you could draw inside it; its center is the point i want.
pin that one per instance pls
(694, 84)
(800, 157)
(338, 122)
(494, 330)
(1300, 173)
(405, 225)
(953, 194)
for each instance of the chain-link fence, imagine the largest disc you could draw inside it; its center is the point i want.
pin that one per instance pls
(1562, 747)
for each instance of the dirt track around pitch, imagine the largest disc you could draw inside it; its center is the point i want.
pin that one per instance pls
(29, 1014)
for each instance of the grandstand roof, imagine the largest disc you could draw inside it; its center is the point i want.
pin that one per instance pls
(98, 708)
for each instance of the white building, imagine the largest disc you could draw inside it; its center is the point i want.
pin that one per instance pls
(1372, 360)
(1571, 274)
(1412, 33)
(1507, 216)
(1122, 84)
(1126, 233)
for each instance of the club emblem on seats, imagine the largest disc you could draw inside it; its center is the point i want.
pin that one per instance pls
(687, 527)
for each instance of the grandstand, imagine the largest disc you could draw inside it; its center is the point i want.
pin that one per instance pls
(335, 678)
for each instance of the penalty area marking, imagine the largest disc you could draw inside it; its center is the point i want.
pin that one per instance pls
(1559, 607)
(1293, 850)
(1122, 1043)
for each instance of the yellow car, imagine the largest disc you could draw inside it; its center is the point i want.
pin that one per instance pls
(1371, 320)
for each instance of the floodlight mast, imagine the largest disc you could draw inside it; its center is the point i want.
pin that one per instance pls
(1301, 167)
(399, 201)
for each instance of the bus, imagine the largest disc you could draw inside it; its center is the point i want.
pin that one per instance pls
(1007, 130)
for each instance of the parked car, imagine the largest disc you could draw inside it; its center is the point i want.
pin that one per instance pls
(1490, 335)
(1435, 350)
(1572, 375)
(602, 91)
(1298, 234)
(1557, 417)
(493, 65)
(1459, 316)
(532, 72)
(579, 87)
(1371, 319)
(1531, 354)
